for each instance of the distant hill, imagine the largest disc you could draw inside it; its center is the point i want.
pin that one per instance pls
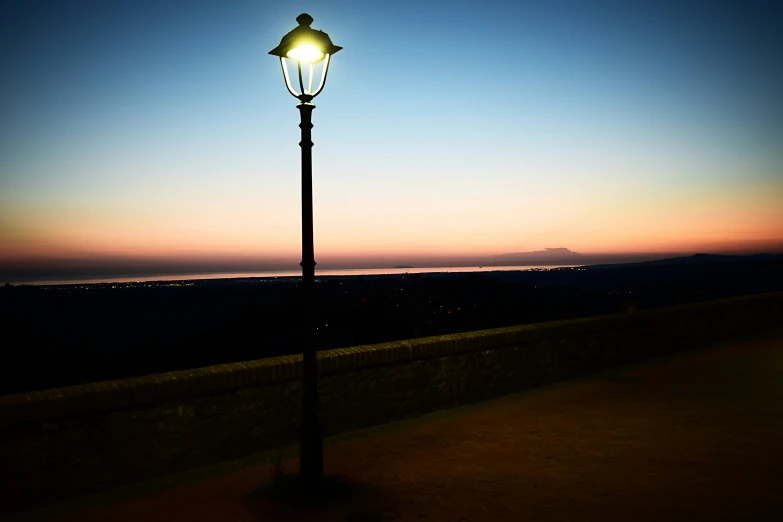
(695, 259)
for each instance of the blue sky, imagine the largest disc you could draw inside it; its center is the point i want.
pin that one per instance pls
(163, 129)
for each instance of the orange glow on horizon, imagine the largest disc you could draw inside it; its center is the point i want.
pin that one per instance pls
(589, 221)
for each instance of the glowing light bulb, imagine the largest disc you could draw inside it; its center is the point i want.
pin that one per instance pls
(305, 53)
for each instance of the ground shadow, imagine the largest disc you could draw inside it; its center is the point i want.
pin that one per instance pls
(339, 498)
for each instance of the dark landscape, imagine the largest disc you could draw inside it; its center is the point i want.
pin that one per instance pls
(72, 334)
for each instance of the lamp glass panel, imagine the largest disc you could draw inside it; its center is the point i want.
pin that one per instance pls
(312, 75)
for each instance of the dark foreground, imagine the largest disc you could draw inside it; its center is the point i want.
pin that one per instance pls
(64, 335)
(694, 437)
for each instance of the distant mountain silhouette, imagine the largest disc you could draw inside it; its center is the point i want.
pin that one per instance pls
(548, 255)
(695, 259)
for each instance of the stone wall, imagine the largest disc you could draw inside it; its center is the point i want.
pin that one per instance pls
(65, 442)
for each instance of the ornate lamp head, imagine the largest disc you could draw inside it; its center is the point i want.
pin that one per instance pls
(305, 52)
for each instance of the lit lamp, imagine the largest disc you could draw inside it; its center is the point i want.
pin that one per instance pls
(304, 55)
(307, 52)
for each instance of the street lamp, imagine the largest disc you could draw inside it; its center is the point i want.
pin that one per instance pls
(304, 54)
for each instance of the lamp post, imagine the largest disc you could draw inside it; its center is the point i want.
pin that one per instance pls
(304, 54)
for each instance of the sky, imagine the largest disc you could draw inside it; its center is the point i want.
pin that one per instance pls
(160, 133)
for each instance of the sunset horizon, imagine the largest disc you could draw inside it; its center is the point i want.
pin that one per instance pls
(161, 134)
(76, 267)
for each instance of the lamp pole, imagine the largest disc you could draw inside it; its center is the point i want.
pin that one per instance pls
(306, 48)
(311, 453)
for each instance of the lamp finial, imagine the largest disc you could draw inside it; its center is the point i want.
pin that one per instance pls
(304, 19)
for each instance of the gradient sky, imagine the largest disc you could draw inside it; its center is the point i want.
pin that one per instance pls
(163, 129)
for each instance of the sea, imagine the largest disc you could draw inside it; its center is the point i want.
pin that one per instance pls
(275, 274)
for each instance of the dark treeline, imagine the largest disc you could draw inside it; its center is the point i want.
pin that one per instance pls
(62, 335)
